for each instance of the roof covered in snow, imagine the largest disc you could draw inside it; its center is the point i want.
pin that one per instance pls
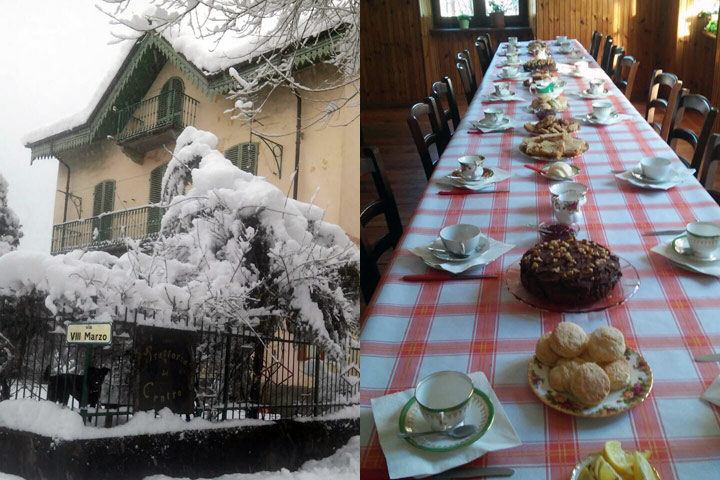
(204, 61)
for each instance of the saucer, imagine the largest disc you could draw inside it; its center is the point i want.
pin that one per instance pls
(576, 170)
(482, 247)
(508, 77)
(486, 173)
(586, 94)
(682, 247)
(494, 97)
(611, 119)
(505, 121)
(577, 74)
(636, 172)
(481, 412)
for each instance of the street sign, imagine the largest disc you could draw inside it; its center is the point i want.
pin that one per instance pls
(89, 333)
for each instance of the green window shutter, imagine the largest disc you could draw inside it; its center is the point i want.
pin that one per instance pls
(232, 155)
(154, 214)
(97, 199)
(103, 201)
(249, 157)
(170, 101)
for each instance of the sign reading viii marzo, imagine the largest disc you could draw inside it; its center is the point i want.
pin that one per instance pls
(89, 333)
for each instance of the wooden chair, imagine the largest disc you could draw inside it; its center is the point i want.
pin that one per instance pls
(491, 49)
(625, 73)
(616, 54)
(595, 42)
(464, 56)
(701, 105)
(450, 114)
(655, 100)
(483, 54)
(468, 82)
(710, 166)
(423, 141)
(606, 55)
(384, 205)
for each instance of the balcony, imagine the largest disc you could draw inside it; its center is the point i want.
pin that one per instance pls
(108, 230)
(154, 122)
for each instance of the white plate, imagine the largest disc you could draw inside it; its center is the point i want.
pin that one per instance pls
(586, 94)
(682, 247)
(548, 159)
(494, 97)
(575, 74)
(483, 246)
(504, 123)
(576, 171)
(637, 174)
(510, 77)
(481, 412)
(506, 64)
(612, 119)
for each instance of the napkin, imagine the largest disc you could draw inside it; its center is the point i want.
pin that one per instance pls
(514, 98)
(685, 174)
(478, 127)
(666, 250)
(404, 460)
(712, 394)
(495, 250)
(498, 176)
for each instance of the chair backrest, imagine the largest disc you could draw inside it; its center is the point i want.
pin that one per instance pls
(616, 54)
(444, 88)
(606, 55)
(423, 141)
(655, 100)
(483, 54)
(466, 79)
(711, 161)
(491, 48)
(625, 73)
(701, 105)
(464, 56)
(595, 42)
(371, 164)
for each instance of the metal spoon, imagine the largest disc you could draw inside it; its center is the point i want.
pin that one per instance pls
(461, 431)
(449, 253)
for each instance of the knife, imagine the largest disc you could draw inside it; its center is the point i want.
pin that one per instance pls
(465, 191)
(713, 357)
(473, 472)
(432, 277)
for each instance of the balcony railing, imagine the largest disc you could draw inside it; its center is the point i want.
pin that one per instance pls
(169, 109)
(106, 230)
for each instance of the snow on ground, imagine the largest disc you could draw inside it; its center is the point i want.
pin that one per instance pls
(52, 420)
(351, 411)
(344, 464)
(7, 476)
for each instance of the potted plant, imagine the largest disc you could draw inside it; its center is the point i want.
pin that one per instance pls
(464, 20)
(497, 14)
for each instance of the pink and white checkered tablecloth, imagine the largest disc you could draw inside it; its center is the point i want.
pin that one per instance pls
(413, 329)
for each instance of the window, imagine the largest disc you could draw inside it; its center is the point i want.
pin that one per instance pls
(244, 156)
(445, 12)
(154, 215)
(170, 102)
(103, 201)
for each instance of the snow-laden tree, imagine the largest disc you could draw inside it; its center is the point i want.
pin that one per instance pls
(278, 28)
(10, 232)
(233, 250)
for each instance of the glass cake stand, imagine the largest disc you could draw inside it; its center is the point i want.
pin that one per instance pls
(624, 289)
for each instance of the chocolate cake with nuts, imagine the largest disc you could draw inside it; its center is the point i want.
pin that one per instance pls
(569, 272)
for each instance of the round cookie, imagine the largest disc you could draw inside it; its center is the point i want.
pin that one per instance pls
(606, 344)
(568, 339)
(571, 364)
(543, 351)
(559, 378)
(585, 356)
(590, 384)
(619, 374)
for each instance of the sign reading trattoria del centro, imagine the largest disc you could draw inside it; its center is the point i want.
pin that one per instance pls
(164, 369)
(99, 333)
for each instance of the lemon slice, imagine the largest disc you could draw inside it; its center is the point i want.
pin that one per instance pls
(618, 459)
(642, 469)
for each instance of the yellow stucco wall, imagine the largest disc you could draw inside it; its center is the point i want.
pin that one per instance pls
(328, 151)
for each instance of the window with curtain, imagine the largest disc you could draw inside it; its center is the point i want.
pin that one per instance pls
(244, 156)
(154, 215)
(445, 12)
(103, 201)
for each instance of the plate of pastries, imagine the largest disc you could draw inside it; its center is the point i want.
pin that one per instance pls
(588, 375)
(553, 146)
(547, 103)
(553, 125)
(547, 64)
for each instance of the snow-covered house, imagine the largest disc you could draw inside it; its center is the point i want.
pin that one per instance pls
(113, 154)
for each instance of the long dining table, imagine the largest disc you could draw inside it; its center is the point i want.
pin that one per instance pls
(410, 330)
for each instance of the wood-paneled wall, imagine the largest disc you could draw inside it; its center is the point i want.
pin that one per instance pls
(392, 64)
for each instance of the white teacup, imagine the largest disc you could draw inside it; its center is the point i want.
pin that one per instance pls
(561, 39)
(502, 89)
(509, 71)
(512, 58)
(444, 398)
(512, 41)
(494, 115)
(655, 168)
(461, 239)
(567, 207)
(557, 189)
(704, 238)
(581, 67)
(512, 48)
(596, 86)
(469, 165)
(601, 110)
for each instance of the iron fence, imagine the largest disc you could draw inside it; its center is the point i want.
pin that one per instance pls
(237, 373)
(170, 108)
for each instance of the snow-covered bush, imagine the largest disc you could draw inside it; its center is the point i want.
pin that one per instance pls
(10, 232)
(233, 250)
